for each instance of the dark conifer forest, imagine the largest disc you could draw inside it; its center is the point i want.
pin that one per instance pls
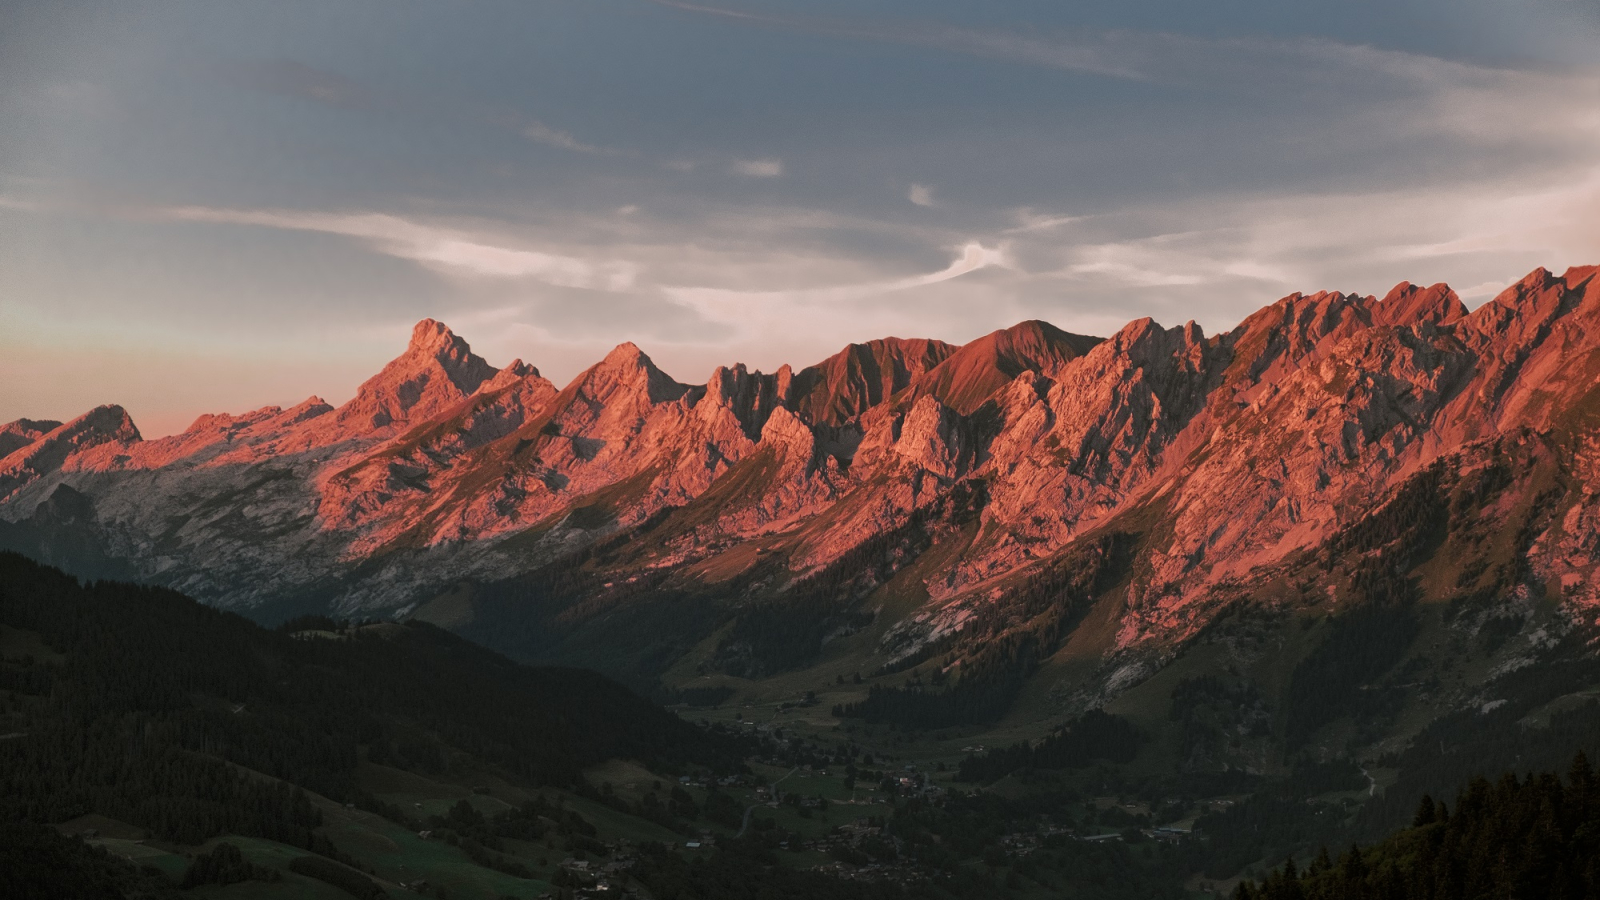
(154, 710)
(1534, 836)
(141, 706)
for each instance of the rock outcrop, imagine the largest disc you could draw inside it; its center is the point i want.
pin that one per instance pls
(69, 445)
(1224, 458)
(16, 435)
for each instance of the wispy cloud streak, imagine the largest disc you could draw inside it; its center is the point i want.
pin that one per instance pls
(758, 168)
(540, 133)
(971, 257)
(440, 248)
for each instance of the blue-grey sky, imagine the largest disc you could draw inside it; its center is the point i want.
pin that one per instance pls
(211, 207)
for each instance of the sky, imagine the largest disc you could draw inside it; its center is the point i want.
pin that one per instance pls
(212, 207)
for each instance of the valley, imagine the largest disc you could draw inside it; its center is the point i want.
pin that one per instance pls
(1039, 614)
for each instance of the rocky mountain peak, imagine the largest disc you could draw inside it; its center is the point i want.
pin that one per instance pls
(434, 341)
(515, 371)
(751, 397)
(1231, 453)
(627, 368)
(16, 435)
(309, 408)
(1577, 276)
(436, 370)
(1133, 339)
(1527, 307)
(429, 336)
(1038, 339)
(1410, 304)
(976, 371)
(862, 376)
(102, 425)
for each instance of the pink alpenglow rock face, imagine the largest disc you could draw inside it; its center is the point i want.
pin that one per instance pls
(16, 435)
(437, 370)
(79, 440)
(1227, 460)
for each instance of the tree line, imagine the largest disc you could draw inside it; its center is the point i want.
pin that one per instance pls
(1536, 836)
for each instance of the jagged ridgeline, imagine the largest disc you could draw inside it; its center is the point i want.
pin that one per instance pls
(922, 514)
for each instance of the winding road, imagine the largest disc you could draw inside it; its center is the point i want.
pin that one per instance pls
(750, 810)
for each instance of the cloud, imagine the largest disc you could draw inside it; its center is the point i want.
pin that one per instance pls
(1030, 220)
(1086, 53)
(921, 195)
(1477, 101)
(540, 133)
(759, 168)
(439, 248)
(1122, 54)
(1562, 219)
(971, 257)
(1130, 274)
(716, 11)
(1218, 258)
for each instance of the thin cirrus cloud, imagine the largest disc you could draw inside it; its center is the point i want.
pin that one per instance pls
(1029, 219)
(1122, 54)
(758, 168)
(971, 257)
(540, 133)
(439, 248)
(290, 78)
(468, 253)
(1404, 92)
(1083, 54)
(1217, 259)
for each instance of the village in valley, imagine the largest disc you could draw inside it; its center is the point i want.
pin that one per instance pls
(819, 800)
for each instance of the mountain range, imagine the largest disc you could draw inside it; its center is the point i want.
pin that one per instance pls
(986, 506)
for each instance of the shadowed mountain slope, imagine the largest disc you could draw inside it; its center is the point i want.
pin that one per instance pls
(945, 494)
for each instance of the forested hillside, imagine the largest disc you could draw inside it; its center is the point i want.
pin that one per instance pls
(1534, 837)
(149, 676)
(141, 705)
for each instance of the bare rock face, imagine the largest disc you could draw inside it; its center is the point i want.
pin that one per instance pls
(751, 398)
(862, 376)
(975, 372)
(396, 480)
(437, 370)
(1220, 459)
(1408, 304)
(16, 435)
(73, 443)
